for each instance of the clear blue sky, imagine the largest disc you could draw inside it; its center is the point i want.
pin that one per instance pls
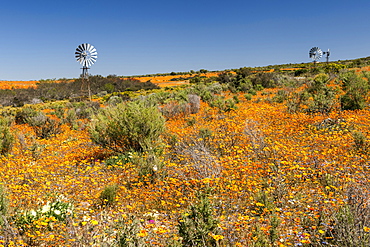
(38, 38)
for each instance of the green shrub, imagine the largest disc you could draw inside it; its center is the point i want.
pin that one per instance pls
(4, 204)
(174, 109)
(300, 72)
(149, 166)
(86, 109)
(128, 230)
(119, 160)
(114, 100)
(24, 114)
(108, 195)
(71, 118)
(198, 224)
(252, 91)
(360, 141)
(248, 96)
(356, 91)
(258, 87)
(131, 126)
(350, 220)
(281, 96)
(223, 105)
(318, 97)
(6, 137)
(59, 208)
(44, 126)
(58, 110)
(266, 80)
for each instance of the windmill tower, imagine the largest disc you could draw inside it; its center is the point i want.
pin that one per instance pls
(86, 55)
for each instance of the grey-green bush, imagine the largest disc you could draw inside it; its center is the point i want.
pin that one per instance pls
(131, 126)
(196, 226)
(356, 88)
(6, 137)
(4, 204)
(108, 195)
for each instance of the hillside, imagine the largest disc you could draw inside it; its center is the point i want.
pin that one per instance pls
(249, 157)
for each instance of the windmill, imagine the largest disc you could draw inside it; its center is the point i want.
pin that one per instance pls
(327, 53)
(86, 55)
(316, 53)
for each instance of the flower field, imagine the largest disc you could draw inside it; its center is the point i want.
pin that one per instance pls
(270, 177)
(17, 84)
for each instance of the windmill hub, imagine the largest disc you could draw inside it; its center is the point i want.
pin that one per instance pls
(86, 55)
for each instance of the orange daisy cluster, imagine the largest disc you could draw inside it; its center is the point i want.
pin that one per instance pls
(17, 84)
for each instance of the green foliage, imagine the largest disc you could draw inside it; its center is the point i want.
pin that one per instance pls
(252, 91)
(24, 114)
(84, 109)
(131, 126)
(119, 160)
(59, 208)
(225, 78)
(108, 195)
(196, 80)
(51, 90)
(71, 118)
(128, 231)
(334, 68)
(6, 137)
(223, 104)
(4, 204)
(356, 90)
(149, 166)
(265, 80)
(245, 85)
(114, 100)
(318, 97)
(350, 220)
(205, 133)
(281, 96)
(248, 96)
(198, 224)
(44, 126)
(58, 110)
(300, 72)
(174, 109)
(360, 141)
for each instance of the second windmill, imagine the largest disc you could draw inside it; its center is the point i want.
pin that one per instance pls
(86, 55)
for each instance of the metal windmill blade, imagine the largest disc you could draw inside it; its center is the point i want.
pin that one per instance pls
(315, 53)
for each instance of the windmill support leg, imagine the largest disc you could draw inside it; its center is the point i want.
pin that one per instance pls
(85, 79)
